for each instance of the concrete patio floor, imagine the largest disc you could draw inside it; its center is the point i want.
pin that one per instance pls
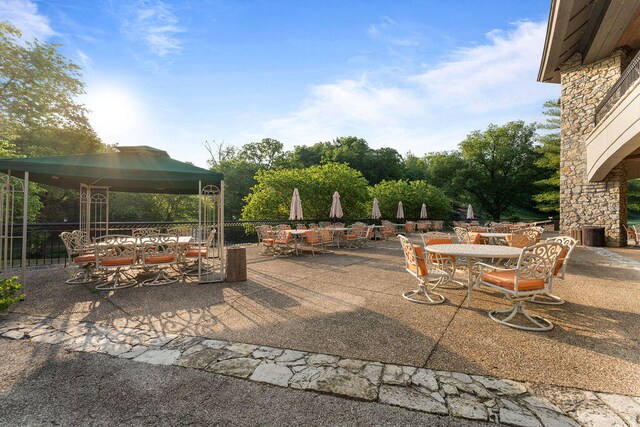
(349, 304)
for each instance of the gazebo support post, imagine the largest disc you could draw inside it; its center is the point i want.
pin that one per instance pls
(199, 231)
(25, 216)
(221, 231)
(5, 236)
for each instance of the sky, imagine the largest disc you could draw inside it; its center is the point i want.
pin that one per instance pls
(417, 76)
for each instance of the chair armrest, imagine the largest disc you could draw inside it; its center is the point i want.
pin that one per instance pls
(492, 267)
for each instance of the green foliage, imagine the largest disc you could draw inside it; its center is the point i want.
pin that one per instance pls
(152, 207)
(8, 290)
(415, 168)
(270, 198)
(633, 198)
(238, 180)
(548, 199)
(499, 167)
(412, 194)
(38, 86)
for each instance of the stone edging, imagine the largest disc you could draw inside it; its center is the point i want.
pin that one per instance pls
(613, 256)
(437, 392)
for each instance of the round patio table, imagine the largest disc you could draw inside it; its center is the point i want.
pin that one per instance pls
(474, 252)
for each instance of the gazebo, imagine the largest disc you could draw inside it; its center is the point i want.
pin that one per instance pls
(139, 169)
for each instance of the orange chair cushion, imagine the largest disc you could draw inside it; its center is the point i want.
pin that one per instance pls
(517, 241)
(114, 262)
(475, 238)
(422, 265)
(193, 253)
(268, 241)
(563, 254)
(159, 259)
(440, 241)
(84, 258)
(351, 236)
(506, 279)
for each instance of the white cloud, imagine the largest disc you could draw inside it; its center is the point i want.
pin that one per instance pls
(152, 23)
(427, 110)
(24, 15)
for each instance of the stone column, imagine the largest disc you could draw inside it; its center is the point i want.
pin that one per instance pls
(601, 203)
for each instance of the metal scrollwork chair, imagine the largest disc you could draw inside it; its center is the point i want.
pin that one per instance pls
(142, 232)
(568, 244)
(115, 253)
(440, 238)
(531, 276)
(429, 275)
(157, 251)
(79, 253)
(632, 233)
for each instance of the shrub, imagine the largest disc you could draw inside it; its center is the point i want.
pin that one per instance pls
(8, 290)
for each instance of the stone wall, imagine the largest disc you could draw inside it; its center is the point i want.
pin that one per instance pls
(581, 202)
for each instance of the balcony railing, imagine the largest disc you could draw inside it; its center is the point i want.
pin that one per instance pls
(626, 80)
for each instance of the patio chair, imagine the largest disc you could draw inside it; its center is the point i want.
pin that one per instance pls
(523, 237)
(266, 238)
(312, 239)
(301, 227)
(202, 252)
(429, 275)
(282, 242)
(462, 234)
(438, 225)
(387, 230)
(568, 244)
(409, 227)
(80, 254)
(324, 224)
(142, 232)
(326, 237)
(532, 275)
(499, 228)
(365, 236)
(115, 254)
(313, 226)
(632, 233)
(284, 227)
(421, 226)
(440, 238)
(353, 235)
(156, 251)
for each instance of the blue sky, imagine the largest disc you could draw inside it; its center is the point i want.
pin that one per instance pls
(413, 75)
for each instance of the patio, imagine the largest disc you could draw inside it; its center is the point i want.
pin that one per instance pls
(349, 304)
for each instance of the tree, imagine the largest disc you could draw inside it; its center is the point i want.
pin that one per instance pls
(412, 194)
(39, 87)
(270, 198)
(499, 168)
(152, 207)
(266, 153)
(415, 168)
(549, 162)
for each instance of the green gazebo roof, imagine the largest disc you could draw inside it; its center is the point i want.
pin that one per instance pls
(139, 169)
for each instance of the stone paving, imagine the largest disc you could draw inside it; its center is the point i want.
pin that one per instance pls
(444, 393)
(617, 258)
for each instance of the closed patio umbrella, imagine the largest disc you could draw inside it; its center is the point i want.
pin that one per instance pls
(375, 211)
(400, 213)
(336, 207)
(470, 214)
(295, 212)
(423, 212)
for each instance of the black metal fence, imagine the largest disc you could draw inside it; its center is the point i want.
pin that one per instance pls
(44, 246)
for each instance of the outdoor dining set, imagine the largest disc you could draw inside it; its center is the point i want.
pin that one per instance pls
(516, 263)
(146, 257)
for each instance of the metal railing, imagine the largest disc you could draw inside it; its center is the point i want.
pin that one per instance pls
(630, 75)
(44, 246)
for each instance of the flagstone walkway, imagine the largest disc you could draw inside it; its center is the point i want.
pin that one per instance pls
(446, 393)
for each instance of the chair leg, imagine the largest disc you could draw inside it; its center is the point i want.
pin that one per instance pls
(161, 279)
(84, 276)
(422, 295)
(538, 323)
(116, 282)
(547, 299)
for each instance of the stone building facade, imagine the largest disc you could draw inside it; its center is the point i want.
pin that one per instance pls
(582, 202)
